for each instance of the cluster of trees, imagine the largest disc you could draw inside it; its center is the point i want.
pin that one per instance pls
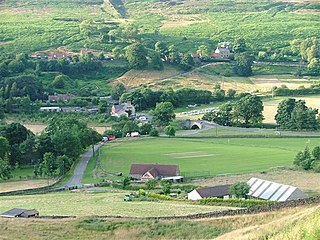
(308, 160)
(285, 91)
(294, 114)
(247, 110)
(309, 50)
(145, 98)
(52, 152)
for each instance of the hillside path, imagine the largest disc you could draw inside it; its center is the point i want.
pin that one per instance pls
(75, 180)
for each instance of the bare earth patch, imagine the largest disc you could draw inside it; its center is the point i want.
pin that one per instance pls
(306, 181)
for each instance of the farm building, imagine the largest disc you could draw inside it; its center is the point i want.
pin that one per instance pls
(19, 212)
(221, 52)
(126, 109)
(60, 97)
(210, 192)
(147, 172)
(266, 190)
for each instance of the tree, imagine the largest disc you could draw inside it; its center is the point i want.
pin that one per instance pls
(145, 129)
(163, 114)
(223, 116)
(187, 62)
(249, 110)
(4, 147)
(154, 133)
(303, 118)
(169, 131)
(203, 51)
(174, 56)
(166, 186)
(284, 111)
(316, 153)
(48, 166)
(156, 61)
(151, 184)
(240, 190)
(126, 182)
(243, 66)
(162, 49)
(239, 45)
(231, 93)
(60, 81)
(117, 90)
(314, 67)
(304, 159)
(136, 55)
(5, 169)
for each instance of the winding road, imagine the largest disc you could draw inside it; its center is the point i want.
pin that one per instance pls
(75, 180)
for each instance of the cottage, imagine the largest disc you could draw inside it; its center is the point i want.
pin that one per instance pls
(210, 192)
(145, 172)
(266, 190)
(124, 109)
(221, 52)
(19, 212)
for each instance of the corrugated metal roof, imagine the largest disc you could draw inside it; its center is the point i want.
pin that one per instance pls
(267, 190)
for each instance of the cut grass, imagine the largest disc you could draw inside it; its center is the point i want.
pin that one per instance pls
(106, 203)
(213, 156)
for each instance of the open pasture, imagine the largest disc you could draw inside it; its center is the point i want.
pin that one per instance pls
(204, 157)
(104, 203)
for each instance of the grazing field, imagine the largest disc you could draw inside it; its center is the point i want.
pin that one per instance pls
(102, 203)
(204, 157)
(22, 185)
(293, 223)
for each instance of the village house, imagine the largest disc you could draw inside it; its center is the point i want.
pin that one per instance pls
(124, 109)
(221, 52)
(196, 57)
(145, 171)
(221, 191)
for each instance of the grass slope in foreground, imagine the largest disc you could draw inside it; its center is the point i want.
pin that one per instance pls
(204, 157)
(111, 204)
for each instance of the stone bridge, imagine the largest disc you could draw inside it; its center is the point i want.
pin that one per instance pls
(194, 124)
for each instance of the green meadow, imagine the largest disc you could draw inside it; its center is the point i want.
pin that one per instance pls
(204, 157)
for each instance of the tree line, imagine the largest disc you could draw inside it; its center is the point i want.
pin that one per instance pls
(51, 153)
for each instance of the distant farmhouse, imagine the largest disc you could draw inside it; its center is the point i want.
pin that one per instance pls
(221, 52)
(145, 172)
(221, 191)
(266, 190)
(19, 212)
(124, 109)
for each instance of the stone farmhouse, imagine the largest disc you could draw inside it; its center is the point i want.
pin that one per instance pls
(221, 52)
(124, 109)
(145, 172)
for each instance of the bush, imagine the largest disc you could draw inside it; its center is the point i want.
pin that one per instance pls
(154, 133)
(161, 197)
(246, 203)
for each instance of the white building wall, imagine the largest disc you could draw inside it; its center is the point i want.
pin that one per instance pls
(194, 195)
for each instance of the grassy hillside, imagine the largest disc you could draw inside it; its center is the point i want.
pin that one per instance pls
(38, 25)
(295, 223)
(204, 157)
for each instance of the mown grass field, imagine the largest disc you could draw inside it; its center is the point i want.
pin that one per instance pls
(292, 223)
(102, 203)
(204, 157)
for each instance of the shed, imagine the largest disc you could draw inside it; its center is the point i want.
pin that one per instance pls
(20, 212)
(267, 190)
(221, 191)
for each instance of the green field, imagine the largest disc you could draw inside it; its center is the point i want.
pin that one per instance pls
(204, 157)
(104, 203)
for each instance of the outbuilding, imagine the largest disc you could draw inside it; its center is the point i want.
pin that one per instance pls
(267, 190)
(20, 212)
(221, 191)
